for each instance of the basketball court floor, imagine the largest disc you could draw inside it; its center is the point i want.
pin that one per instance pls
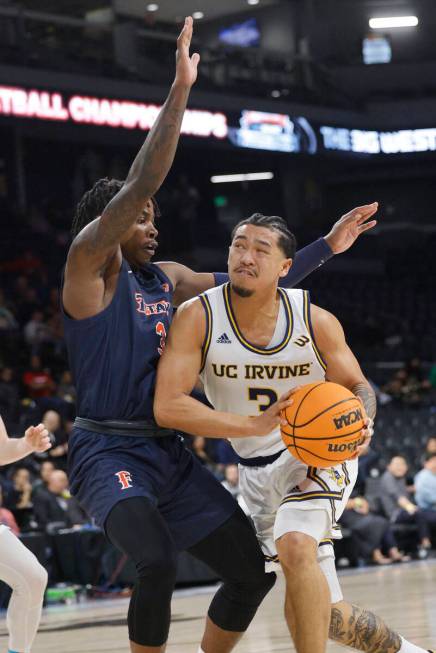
(404, 595)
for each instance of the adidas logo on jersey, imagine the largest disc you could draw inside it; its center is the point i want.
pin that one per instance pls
(224, 339)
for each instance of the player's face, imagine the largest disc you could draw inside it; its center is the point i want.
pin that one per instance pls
(398, 467)
(255, 260)
(140, 244)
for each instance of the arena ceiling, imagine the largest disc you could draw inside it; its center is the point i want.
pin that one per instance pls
(173, 10)
(314, 45)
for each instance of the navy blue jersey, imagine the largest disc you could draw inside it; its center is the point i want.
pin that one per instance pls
(113, 355)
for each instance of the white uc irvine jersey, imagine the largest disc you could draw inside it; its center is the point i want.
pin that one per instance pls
(241, 378)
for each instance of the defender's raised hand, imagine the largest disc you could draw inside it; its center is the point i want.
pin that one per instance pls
(348, 228)
(186, 65)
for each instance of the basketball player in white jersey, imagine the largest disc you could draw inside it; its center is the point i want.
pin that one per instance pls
(252, 342)
(19, 568)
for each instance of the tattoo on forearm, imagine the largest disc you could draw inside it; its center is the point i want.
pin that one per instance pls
(363, 631)
(148, 170)
(367, 395)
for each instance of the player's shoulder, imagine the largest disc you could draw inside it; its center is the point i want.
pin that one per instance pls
(189, 322)
(325, 325)
(321, 315)
(191, 308)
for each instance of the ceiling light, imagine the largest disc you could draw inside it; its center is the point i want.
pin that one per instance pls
(198, 15)
(275, 93)
(152, 7)
(393, 21)
(249, 176)
(253, 2)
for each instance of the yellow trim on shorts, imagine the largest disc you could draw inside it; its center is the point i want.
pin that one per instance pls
(325, 541)
(309, 496)
(311, 473)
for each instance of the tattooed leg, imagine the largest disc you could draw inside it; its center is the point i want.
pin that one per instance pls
(362, 630)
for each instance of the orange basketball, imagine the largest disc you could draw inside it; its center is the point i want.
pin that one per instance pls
(324, 424)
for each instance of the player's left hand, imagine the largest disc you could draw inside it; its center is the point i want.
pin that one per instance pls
(37, 438)
(186, 65)
(365, 441)
(348, 229)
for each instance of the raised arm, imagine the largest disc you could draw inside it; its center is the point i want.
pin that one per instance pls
(177, 374)
(98, 243)
(341, 237)
(12, 449)
(342, 365)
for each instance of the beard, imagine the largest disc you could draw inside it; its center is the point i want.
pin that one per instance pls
(242, 292)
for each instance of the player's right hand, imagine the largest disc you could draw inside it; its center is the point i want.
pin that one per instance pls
(271, 418)
(37, 438)
(186, 66)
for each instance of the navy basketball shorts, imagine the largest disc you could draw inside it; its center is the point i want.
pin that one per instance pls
(105, 469)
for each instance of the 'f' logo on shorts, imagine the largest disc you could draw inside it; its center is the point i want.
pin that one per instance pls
(125, 479)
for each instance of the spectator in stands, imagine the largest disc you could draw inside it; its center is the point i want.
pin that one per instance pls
(425, 488)
(19, 498)
(430, 447)
(38, 380)
(231, 483)
(9, 395)
(372, 534)
(395, 387)
(56, 505)
(45, 471)
(58, 438)
(6, 516)
(7, 319)
(36, 331)
(417, 385)
(397, 504)
(200, 452)
(66, 389)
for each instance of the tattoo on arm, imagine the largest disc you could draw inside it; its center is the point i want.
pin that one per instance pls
(364, 631)
(367, 395)
(148, 170)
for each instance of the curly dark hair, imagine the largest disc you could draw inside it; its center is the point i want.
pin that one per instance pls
(95, 200)
(286, 239)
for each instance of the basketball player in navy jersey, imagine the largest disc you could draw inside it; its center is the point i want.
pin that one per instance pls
(250, 341)
(137, 480)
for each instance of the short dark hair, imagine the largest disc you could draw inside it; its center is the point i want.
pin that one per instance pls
(428, 456)
(95, 200)
(286, 239)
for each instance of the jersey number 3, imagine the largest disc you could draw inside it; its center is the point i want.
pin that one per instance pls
(265, 397)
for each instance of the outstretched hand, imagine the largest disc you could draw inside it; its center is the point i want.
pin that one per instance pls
(186, 65)
(37, 438)
(348, 229)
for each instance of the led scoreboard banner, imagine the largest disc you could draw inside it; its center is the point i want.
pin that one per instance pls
(403, 141)
(42, 105)
(258, 130)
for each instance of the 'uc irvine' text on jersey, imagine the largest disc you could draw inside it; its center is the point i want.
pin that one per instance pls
(242, 378)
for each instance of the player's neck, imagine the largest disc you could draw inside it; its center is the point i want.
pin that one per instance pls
(260, 306)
